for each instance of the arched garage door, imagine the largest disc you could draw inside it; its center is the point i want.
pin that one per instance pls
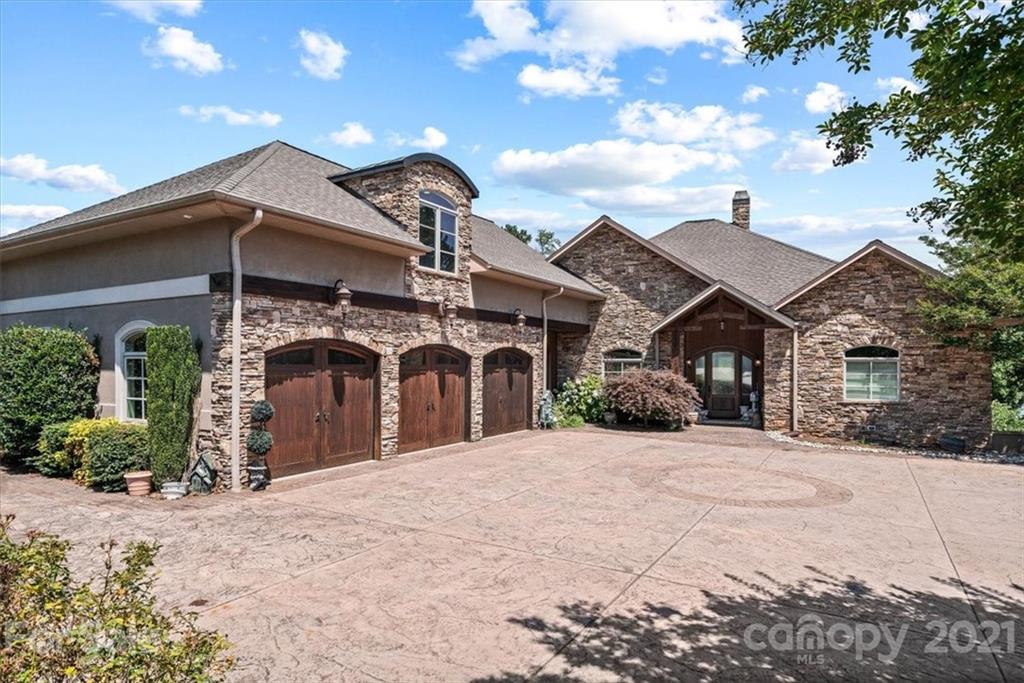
(508, 394)
(324, 395)
(432, 398)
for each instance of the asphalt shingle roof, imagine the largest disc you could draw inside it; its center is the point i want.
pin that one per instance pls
(275, 176)
(759, 266)
(497, 248)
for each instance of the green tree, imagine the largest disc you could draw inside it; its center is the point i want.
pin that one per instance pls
(547, 242)
(981, 305)
(964, 113)
(521, 234)
(173, 378)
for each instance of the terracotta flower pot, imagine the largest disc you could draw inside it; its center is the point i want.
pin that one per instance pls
(139, 483)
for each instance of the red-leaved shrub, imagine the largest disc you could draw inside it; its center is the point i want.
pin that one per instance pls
(651, 396)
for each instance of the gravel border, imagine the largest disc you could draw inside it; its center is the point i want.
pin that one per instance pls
(973, 456)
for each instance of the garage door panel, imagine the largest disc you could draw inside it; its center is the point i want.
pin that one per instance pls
(507, 396)
(347, 407)
(294, 426)
(432, 399)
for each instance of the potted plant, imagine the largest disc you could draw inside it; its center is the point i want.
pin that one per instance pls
(140, 483)
(259, 443)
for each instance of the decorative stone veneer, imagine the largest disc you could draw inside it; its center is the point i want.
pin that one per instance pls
(396, 193)
(943, 390)
(270, 322)
(641, 288)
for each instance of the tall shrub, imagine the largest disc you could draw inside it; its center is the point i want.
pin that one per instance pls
(47, 375)
(651, 396)
(173, 376)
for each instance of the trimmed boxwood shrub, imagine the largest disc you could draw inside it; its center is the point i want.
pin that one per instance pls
(173, 375)
(52, 458)
(76, 445)
(112, 450)
(47, 375)
(647, 396)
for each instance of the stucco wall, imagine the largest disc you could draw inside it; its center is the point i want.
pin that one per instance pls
(498, 295)
(104, 322)
(641, 288)
(942, 389)
(286, 255)
(271, 322)
(158, 255)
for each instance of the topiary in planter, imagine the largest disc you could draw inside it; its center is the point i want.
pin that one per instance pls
(259, 442)
(47, 375)
(261, 412)
(646, 396)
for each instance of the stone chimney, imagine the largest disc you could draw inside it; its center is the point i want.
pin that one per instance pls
(741, 209)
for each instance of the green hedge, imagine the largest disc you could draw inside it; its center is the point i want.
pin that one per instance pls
(113, 449)
(47, 376)
(173, 375)
(53, 459)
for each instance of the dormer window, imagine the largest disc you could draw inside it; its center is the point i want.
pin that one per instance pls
(438, 231)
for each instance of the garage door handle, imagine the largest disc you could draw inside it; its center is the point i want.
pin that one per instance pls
(327, 418)
(316, 418)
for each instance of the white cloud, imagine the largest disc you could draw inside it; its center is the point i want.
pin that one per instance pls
(645, 200)
(231, 117)
(889, 219)
(322, 57)
(605, 164)
(706, 126)
(753, 93)
(806, 154)
(150, 10)
(895, 84)
(32, 169)
(352, 133)
(431, 140)
(184, 51)
(533, 218)
(14, 217)
(588, 37)
(658, 76)
(570, 82)
(918, 19)
(825, 98)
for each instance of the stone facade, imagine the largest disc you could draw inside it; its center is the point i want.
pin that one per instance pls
(396, 193)
(943, 390)
(271, 322)
(641, 287)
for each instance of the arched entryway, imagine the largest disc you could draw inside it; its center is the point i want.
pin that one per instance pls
(725, 377)
(508, 391)
(325, 397)
(432, 399)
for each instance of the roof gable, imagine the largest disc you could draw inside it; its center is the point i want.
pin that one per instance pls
(606, 221)
(408, 160)
(715, 288)
(869, 248)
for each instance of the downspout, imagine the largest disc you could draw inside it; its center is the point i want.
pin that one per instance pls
(236, 346)
(794, 423)
(544, 343)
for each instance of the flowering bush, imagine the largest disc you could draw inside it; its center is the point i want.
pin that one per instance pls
(651, 396)
(583, 397)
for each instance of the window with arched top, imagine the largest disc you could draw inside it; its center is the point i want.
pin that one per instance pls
(130, 371)
(872, 373)
(439, 230)
(621, 361)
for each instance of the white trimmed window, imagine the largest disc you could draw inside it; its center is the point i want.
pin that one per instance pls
(872, 374)
(620, 361)
(130, 359)
(439, 230)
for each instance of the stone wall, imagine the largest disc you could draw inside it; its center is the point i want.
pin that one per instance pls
(943, 390)
(641, 288)
(270, 322)
(396, 193)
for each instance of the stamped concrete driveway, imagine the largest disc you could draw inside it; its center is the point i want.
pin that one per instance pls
(592, 555)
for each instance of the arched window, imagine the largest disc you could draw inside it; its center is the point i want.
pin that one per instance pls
(439, 231)
(130, 371)
(872, 374)
(620, 361)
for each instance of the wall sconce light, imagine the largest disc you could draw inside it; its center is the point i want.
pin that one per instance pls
(341, 295)
(689, 362)
(721, 326)
(519, 318)
(757, 362)
(447, 309)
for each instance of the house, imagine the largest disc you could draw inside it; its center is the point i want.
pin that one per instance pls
(380, 315)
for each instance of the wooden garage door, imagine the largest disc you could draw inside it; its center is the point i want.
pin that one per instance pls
(324, 397)
(432, 399)
(507, 395)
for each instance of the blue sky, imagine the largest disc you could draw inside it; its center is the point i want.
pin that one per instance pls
(559, 111)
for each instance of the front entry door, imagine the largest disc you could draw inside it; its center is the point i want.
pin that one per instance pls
(323, 395)
(724, 400)
(432, 399)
